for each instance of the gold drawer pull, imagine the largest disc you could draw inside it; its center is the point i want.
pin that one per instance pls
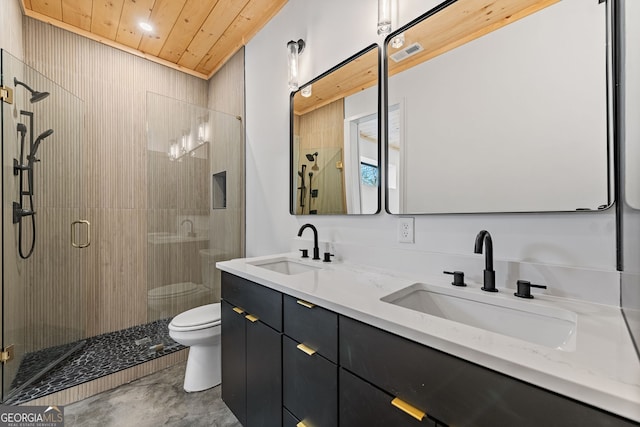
(238, 310)
(306, 349)
(301, 424)
(305, 304)
(251, 318)
(408, 409)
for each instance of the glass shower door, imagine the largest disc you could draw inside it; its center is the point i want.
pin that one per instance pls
(42, 294)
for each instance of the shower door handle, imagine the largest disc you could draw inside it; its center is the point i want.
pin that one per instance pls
(73, 234)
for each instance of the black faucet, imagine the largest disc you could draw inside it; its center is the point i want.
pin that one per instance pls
(489, 275)
(316, 249)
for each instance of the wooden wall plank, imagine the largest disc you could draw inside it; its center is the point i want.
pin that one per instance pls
(193, 15)
(77, 13)
(51, 8)
(106, 15)
(133, 12)
(163, 17)
(220, 18)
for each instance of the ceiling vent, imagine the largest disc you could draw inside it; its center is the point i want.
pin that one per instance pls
(408, 51)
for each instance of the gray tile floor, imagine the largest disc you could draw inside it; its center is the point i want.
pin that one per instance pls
(155, 400)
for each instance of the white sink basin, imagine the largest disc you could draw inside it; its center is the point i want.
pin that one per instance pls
(548, 326)
(285, 266)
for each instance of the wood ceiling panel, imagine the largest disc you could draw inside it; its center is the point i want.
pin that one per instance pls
(52, 8)
(77, 13)
(105, 17)
(222, 15)
(133, 12)
(163, 17)
(250, 20)
(193, 15)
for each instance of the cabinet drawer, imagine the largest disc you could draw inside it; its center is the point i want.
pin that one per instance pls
(311, 325)
(362, 404)
(453, 390)
(255, 299)
(310, 386)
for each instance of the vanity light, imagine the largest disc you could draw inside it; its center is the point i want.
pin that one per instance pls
(384, 16)
(294, 49)
(306, 91)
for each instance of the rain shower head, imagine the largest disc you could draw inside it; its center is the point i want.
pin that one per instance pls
(35, 95)
(311, 157)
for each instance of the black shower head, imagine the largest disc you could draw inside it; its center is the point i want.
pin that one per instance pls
(311, 157)
(36, 144)
(35, 95)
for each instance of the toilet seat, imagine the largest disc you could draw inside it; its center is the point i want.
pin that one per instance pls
(202, 317)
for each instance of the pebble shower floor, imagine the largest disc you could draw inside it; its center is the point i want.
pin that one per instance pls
(101, 355)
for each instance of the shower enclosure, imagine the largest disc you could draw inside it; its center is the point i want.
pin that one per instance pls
(42, 297)
(195, 203)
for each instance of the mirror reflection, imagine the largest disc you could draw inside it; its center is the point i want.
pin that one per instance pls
(334, 140)
(489, 117)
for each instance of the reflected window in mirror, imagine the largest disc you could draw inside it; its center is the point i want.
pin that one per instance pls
(503, 114)
(334, 130)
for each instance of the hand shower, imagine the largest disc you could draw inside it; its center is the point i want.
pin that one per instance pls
(34, 147)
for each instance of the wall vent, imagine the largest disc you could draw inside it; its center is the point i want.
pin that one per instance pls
(408, 51)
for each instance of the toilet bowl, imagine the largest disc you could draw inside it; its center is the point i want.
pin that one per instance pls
(199, 329)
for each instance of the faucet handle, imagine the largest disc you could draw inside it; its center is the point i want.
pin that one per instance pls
(458, 277)
(524, 288)
(327, 257)
(305, 253)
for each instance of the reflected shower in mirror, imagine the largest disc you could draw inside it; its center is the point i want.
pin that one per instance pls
(507, 113)
(334, 140)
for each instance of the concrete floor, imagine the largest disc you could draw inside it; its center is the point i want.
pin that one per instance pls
(155, 400)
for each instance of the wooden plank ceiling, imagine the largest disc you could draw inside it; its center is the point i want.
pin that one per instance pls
(194, 36)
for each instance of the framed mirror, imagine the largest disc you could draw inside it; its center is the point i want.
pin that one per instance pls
(334, 140)
(499, 106)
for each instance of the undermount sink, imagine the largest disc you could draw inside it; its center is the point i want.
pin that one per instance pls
(285, 266)
(548, 326)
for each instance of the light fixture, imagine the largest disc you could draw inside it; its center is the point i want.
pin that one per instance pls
(146, 26)
(398, 41)
(202, 130)
(384, 17)
(294, 48)
(306, 91)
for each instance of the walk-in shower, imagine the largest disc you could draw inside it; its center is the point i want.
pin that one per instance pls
(42, 298)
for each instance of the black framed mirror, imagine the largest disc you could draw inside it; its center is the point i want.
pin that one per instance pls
(499, 106)
(334, 140)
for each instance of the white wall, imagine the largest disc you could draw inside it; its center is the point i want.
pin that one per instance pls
(334, 30)
(11, 28)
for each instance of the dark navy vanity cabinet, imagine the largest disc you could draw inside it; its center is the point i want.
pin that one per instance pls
(252, 351)
(297, 364)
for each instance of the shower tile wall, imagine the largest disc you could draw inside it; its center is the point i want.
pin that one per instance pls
(114, 86)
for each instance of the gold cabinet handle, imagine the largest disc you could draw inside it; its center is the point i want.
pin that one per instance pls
(408, 409)
(73, 234)
(251, 318)
(301, 424)
(306, 349)
(305, 304)
(238, 310)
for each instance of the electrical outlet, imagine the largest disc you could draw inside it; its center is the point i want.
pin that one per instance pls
(405, 230)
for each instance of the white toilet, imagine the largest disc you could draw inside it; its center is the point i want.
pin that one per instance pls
(199, 329)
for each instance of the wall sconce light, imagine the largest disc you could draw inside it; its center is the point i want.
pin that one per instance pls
(294, 49)
(202, 130)
(306, 91)
(384, 17)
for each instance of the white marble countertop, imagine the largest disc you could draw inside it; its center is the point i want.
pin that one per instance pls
(603, 370)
